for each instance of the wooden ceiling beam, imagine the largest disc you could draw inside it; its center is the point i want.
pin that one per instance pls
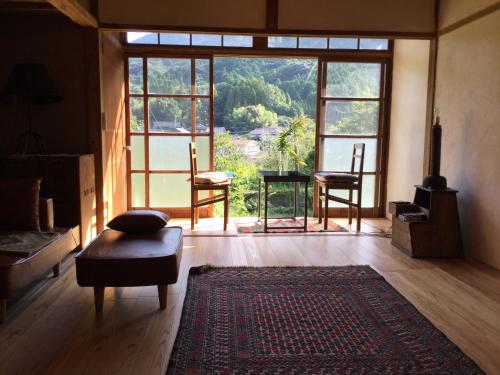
(74, 10)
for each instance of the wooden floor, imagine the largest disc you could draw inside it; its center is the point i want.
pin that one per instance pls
(58, 333)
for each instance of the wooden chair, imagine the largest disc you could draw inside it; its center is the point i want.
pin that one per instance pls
(352, 181)
(196, 187)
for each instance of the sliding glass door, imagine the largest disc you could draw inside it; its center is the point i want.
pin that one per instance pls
(351, 110)
(169, 106)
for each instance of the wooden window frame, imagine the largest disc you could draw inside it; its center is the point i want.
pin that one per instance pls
(261, 50)
(382, 136)
(146, 133)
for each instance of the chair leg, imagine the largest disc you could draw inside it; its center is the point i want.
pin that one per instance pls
(192, 209)
(197, 209)
(320, 208)
(325, 226)
(226, 208)
(349, 214)
(358, 224)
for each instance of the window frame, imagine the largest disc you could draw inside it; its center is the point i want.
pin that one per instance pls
(260, 49)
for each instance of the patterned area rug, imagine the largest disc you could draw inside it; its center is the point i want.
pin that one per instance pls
(306, 320)
(287, 226)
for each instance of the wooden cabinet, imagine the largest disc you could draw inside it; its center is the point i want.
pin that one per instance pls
(437, 236)
(69, 180)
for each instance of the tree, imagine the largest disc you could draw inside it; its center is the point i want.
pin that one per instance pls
(245, 119)
(227, 158)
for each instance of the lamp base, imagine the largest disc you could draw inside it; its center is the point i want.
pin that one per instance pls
(435, 182)
(30, 143)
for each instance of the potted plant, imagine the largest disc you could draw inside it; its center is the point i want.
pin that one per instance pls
(288, 141)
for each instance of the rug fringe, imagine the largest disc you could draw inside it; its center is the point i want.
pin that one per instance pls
(199, 270)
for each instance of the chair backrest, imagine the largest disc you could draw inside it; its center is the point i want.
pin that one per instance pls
(192, 161)
(358, 153)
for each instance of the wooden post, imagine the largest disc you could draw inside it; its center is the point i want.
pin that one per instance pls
(162, 296)
(99, 298)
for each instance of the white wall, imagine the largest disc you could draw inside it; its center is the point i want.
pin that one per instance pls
(408, 118)
(413, 16)
(468, 98)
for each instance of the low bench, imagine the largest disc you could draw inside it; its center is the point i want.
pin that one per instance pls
(118, 259)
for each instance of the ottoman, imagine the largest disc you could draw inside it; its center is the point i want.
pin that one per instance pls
(130, 259)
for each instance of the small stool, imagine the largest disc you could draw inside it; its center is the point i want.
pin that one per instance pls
(120, 259)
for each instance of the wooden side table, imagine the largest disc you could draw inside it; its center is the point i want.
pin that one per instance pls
(285, 176)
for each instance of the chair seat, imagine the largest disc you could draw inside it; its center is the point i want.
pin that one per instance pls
(211, 178)
(330, 177)
(213, 186)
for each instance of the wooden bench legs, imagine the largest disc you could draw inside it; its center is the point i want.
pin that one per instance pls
(56, 270)
(3, 310)
(99, 297)
(162, 296)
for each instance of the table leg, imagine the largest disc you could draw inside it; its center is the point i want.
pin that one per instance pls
(265, 205)
(305, 207)
(325, 226)
(99, 298)
(162, 296)
(259, 198)
(295, 201)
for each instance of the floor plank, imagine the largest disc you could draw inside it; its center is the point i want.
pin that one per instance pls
(59, 333)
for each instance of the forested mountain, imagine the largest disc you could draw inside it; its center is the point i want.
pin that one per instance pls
(285, 87)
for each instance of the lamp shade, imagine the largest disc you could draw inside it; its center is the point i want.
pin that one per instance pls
(29, 83)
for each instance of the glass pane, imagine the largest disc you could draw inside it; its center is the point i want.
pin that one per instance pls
(351, 117)
(142, 38)
(282, 42)
(169, 76)
(367, 196)
(170, 115)
(202, 115)
(202, 76)
(169, 190)
(337, 154)
(353, 80)
(343, 43)
(378, 44)
(318, 43)
(137, 152)
(135, 81)
(238, 41)
(138, 192)
(169, 153)
(136, 115)
(203, 153)
(174, 39)
(207, 40)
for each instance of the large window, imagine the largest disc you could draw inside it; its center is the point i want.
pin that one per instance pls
(169, 102)
(352, 104)
(234, 108)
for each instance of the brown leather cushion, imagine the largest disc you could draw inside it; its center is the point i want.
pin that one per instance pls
(19, 203)
(139, 221)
